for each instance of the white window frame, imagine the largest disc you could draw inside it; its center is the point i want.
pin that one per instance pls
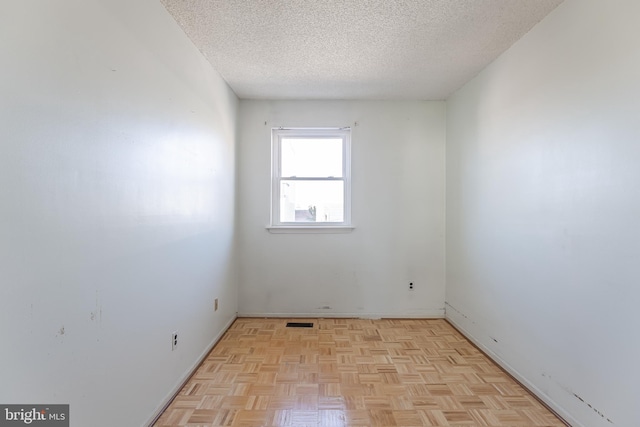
(277, 135)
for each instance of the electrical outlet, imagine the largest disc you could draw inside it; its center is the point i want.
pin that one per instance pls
(411, 286)
(174, 340)
(215, 305)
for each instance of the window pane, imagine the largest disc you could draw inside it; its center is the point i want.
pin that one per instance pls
(311, 157)
(311, 201)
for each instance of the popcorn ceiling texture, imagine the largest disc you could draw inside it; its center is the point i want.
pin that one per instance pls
(347, 49)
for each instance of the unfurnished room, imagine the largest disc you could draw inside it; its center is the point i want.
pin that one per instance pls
(319, 213)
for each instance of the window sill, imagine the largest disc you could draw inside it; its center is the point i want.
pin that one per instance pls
(305, 229)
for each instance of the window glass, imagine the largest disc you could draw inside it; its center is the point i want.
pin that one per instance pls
(311, 201)
(311, 157)
(311, 177)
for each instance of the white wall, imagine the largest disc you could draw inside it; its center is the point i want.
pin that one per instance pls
(398, 213)
(543, 210)
(117, 185)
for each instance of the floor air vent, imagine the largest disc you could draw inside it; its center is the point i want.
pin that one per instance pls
(299, 325)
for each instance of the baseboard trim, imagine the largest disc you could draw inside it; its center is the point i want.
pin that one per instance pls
(559, 412)
(428, 314)
(190, 372)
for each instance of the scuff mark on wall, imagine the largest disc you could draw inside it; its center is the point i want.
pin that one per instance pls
(61, 333)
(568, 390)
(594, 409)
(459, 312)
(97, 313)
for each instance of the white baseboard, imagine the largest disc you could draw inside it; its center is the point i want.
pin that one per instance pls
(426, 314)
(515, 374)
(185, 377)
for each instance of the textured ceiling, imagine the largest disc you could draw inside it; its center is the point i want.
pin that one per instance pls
(353, 49)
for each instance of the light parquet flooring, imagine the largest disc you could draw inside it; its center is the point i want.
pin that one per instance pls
(351, 372)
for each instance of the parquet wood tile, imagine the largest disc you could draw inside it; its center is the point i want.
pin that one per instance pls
(351, 373)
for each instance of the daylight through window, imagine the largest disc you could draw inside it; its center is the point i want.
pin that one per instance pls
(311, 177)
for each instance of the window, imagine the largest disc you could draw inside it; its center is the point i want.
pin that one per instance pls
(311, 178)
